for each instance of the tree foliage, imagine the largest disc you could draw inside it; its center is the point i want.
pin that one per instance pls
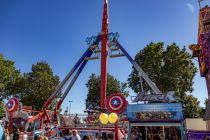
(11, 80)
(191, 107)
(2, 111)
(203, 109)
(171, 69)
(93, 85)
(41, 82)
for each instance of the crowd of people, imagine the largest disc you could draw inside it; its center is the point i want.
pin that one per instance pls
(65, 134)
(70, 135)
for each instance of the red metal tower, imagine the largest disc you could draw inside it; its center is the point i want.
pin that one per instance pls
(104, 53)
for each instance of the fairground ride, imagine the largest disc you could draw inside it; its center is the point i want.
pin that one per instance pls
(97, 44)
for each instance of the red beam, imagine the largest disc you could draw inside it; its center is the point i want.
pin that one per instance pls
(104, 55)
(35, 117)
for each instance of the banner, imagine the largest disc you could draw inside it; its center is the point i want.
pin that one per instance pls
(155, 112)
(167, 97)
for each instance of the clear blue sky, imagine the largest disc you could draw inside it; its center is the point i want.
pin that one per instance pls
(55, 31)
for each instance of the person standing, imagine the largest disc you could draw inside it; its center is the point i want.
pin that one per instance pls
(67, 135)
(76, 136)
(104, 136)
(16, 134)
(25, 136)
(97, 136)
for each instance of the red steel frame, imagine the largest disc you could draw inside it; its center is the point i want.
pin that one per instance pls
(104, 52)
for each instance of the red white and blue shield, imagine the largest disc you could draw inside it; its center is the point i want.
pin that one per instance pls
(12, 105)
(116, 103)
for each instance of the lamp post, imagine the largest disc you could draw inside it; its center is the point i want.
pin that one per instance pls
(66, 111)
(70, 107)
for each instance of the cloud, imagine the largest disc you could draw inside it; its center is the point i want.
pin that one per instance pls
(190, 7)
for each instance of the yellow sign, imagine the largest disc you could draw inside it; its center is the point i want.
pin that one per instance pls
(103, 118)
(113, 118)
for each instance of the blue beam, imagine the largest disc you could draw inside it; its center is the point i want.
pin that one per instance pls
(139, 69)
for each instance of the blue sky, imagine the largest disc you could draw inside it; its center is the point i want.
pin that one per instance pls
(55, 31)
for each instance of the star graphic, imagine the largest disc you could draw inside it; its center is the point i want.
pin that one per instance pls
(9, 104)
(115, 102)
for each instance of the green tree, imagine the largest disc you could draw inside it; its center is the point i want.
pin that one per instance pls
(191, 107)
(171, 69)
(41, 82)
(11, 80)
(2, 111)
(205, 106)
(93, 85)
